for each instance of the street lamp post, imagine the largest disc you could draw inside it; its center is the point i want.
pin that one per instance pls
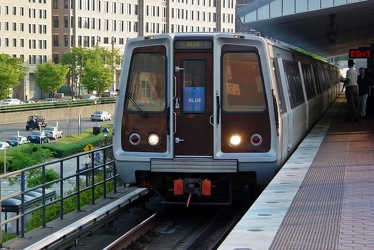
(114, 63)
(76, 79)
(105, 134)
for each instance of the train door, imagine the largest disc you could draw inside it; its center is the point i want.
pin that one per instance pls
(193, 104)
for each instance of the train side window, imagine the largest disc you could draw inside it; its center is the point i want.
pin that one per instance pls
(242, 83)
(146, 84)
(281, 98)
(308, 80)
(291, 71)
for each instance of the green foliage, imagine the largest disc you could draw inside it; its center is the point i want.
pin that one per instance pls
(75, 144)
(34, 177)
(94, 67)
(50, 77)
(96, 76)
(29, 155)
(8, 236)
(12, 70)
(69, 204)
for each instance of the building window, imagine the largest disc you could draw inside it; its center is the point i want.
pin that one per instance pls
(114, 7)
(66, 22)
(22, 42)
(55, 4)
(14, 26)
(55, 41)
(55, 22)
(86, 40)
(14, 42)
(79, 40)
(55, 58)
(93, 40)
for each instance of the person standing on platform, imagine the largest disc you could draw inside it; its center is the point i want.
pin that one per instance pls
(364, 89)
(351, 92)
(370, 102)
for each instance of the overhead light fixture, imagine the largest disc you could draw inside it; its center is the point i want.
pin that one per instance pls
(332, 30)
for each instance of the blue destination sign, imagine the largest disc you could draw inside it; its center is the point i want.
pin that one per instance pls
(194, 99)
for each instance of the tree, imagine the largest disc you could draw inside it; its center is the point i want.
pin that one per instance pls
(12, 70)
(75, 60)
(50, 77)
(96, 76)
(78, 57)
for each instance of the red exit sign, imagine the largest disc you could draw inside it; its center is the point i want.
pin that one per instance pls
(360, 53)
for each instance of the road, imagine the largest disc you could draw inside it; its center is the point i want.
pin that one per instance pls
(68, 127)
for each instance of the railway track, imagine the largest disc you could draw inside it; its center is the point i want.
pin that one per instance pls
(177, 227)
(145, 223)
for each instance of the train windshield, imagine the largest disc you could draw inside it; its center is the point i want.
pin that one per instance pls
(146, 85)
(243, 89)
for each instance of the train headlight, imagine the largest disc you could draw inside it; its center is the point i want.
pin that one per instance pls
(235, 140)
(135, 139)
(153, 139)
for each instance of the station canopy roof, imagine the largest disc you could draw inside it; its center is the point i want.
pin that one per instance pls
(325, 27)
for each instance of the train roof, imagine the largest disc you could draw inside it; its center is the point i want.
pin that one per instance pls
(272, 42)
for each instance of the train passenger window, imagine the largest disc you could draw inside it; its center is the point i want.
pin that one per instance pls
(242, 83)
(194, 84)
(146, 84)
(308, 80)
(292, 73)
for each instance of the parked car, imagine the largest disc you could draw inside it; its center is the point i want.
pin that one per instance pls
(10, 101)
(89, 97)
(4, 145)
(109, 94)
(28, 101)
(101, 116)
(38, 137)
(35, 122)
(53, 132)
(50, 100)
(17, 140)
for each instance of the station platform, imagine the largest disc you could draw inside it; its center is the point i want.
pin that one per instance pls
(322, 198)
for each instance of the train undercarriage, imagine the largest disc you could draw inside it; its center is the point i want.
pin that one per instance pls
(199, 188)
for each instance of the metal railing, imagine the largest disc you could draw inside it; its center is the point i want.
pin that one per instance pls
(83, 172)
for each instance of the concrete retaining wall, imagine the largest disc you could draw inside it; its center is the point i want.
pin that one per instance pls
(56, 114)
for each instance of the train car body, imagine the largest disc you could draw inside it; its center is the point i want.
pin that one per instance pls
(201, 117)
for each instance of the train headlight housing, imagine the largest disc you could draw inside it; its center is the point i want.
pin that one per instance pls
(235, 140)
(135, 139)
(153, 139)
(256, 140)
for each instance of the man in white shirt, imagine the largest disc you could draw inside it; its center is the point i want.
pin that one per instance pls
(351, 92)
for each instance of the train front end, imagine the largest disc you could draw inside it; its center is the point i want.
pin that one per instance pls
(193, 116)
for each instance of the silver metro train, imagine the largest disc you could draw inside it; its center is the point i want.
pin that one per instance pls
(202, 117)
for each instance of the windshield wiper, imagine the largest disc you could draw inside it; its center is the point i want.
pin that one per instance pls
(133, 101)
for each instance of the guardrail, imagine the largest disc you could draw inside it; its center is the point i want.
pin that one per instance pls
(74, 171)
(57, 104)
